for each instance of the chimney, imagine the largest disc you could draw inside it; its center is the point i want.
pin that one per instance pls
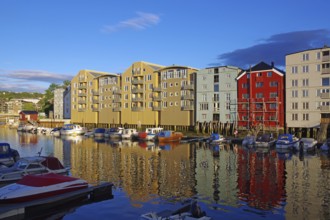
(272, 64)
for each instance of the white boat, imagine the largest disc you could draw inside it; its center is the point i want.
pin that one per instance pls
(72, 129)
(307, 144)
(287, 141)
(33, 187)
(129, 133)
(187, 212)
(31, 165)
(265, 140)
(149, 134)
(114, 133)
(56, 132)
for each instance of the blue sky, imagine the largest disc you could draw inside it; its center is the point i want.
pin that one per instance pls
(49, 41)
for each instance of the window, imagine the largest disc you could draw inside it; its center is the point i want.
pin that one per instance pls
(269, 74)
(305, 105)
(305, 69)
(203, 106)
(216, 78)
(318, 55)
(294, 93)
(273, 84)
(305, 93)
(228, 97)
(245, 96)
(203, 116)
(165, 104)
(259, 74)
(216, 88)
(305, 56)
(305, 117)
(273, 106)
(325, 81)
(294, 83)
(318, 68)
(216, 97)
(148, 77)
(259, 84)
(245, 85)
(228, 105)
(164, 85)
(294, 69)
(204, 97)
(294, 105)
(273, 95)
(305, 82)
(294, 117)
(259, 95)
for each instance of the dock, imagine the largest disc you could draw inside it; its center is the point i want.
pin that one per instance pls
(53, 205)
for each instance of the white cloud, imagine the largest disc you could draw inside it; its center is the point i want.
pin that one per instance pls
(141, 22)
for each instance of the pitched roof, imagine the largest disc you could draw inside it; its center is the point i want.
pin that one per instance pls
(29, 112)
(262, 66)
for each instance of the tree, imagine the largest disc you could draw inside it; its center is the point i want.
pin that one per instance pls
(47, 102)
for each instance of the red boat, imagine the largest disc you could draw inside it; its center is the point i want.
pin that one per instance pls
(169, 136)
(33, 187)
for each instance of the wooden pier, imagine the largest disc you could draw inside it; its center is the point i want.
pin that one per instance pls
(54, 205)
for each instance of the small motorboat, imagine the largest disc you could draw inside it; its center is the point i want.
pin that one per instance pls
(287, 141)
(33, 187)
(8, 156)
(169, 136)
(129, 133)
(265, 140)
(31, 165)
(189, 212)
(99, 132)
(308, 144)
(72, 129)
(216, 138)
(114, 133)
(149, 134)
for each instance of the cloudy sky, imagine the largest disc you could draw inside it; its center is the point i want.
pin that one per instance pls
(44, 42)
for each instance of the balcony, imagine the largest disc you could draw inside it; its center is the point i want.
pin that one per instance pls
(82, 78)
(95, 92)
(156, 108)
(137, 109)
(81, 109)
(325, 95)
(95, 109)
(137, 99)
(82, 86)
(187, 97)
(157, 89)
(326, 58)
(82, 94)
(116, 109)
(325, 70)
(187, 108)
(137, 90)
(116, 99)
(82, 101)
(325, 108)
(137, 81)
(157, 98)
(188, 87)
(117, 91)
(95, 101)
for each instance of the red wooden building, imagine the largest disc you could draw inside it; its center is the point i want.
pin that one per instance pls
(260, 97)
(25, 116)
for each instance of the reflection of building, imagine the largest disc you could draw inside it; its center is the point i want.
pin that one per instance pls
(219, 174)
(261, 179)
(141, 173)
(58, 103)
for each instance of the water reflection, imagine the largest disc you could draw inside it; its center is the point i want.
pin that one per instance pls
(227, 178)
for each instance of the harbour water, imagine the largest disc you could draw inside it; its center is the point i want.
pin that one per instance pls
(228, 181)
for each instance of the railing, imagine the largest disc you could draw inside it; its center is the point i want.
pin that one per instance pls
(137, 81)
(137, 99)
(157, 89)
(136, 109)
(187, 97)
(325, 58)
(188, 87)
(82, 101)
(95, 92)
(325, 70)
(137, 90)
(187, 108)
(325, 95)
(325, 108)
(116, 109)
(157, 98)
(82, 94)
(116, 99)
(156, 108)
(117, 91)
(95, 101)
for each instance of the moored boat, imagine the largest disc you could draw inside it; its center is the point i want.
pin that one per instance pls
(307, 144)
(129, 133)
(72, 129)
(149, 134)
(265, 140)
(215, 138)
(249, 141)
(31, 165)
(169, 136)
(287, 141)
(33, 187)
(99, 132)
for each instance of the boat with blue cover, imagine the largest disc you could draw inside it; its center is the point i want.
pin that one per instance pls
(287, 141)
